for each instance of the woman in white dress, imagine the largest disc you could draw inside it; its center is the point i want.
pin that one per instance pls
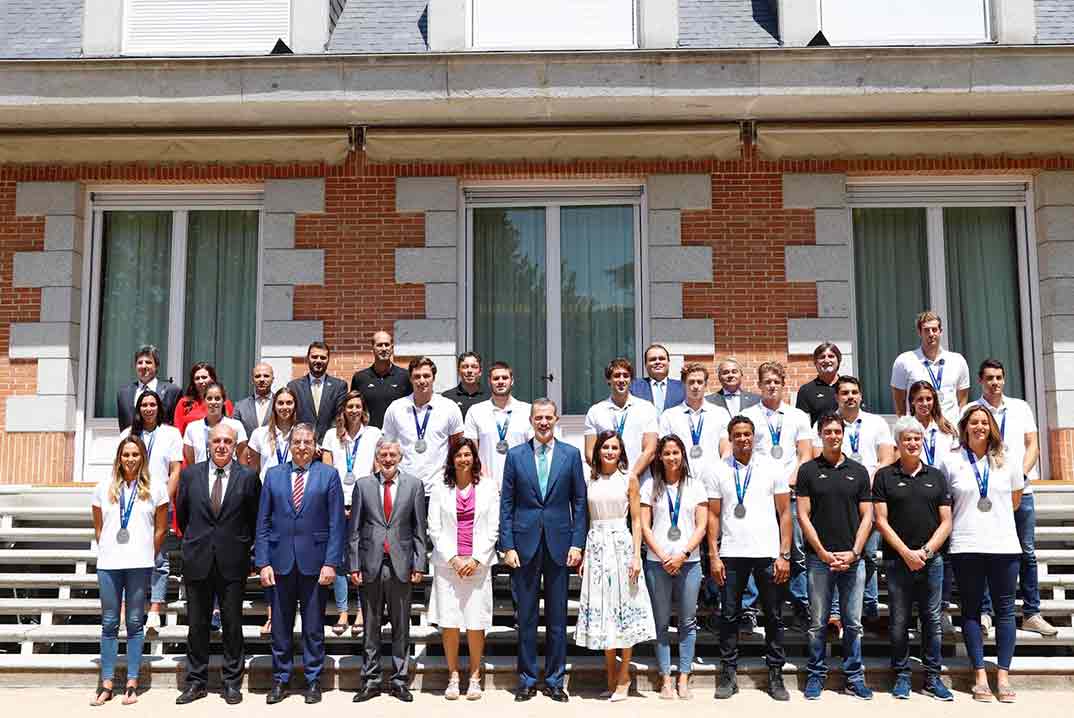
(350, 448)
(464, 523)
(614, 612)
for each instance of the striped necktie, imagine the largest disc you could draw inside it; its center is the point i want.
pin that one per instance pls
(299, 487)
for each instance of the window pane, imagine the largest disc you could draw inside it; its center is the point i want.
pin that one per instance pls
(135, 272)
(551, 24)
(983, 300)
(597, 298)
(886, 22)
(509, 294)
(891, 283)
(198, 27)
(221, 295)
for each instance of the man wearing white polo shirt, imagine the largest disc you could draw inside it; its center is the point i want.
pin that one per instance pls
(700, 424)
(783, 434)
(425, 424)
(947, 371)
(1022, 448)
(632, 418)
(500, 423)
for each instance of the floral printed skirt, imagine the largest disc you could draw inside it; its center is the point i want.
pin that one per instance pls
(614, 612)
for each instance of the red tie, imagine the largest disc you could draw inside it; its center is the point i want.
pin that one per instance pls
(299, 488)
(387, 509)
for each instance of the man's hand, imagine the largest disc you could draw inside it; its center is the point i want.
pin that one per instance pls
(328, 575)
(717, 570)
(268, 577)
(915, 560)
(510, 558)
(356, 578)
(416, 576)
(574, 557)
(783, 570)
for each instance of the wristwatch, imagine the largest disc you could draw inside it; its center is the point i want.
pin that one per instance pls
(929, 553)
(785, 556)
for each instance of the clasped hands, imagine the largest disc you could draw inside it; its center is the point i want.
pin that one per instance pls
(839, 561)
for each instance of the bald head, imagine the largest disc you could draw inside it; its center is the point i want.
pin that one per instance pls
(383, 348)
(262, 377)
(222, 440)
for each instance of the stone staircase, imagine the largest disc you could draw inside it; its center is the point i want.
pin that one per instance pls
(50, 627)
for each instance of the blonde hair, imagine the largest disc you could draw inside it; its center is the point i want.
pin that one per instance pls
(928, 316)
(143, 471)
(995, 440)
(772, 367)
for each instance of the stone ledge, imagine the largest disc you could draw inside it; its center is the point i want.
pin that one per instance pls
(679, 191)
(665, 227)
(1056, 296)
(833, 226)
(47, 269)
(441, 229)
(426, 265)
(61, 304)
(816, 263)
(684, 336)
(803, 335)
(57, 377)
(665, 300)
(278, 303)
(301, 196)
(40, 413)
(294, 266)
(1055, 260)
(47, 340)
(813, 191)
(278, 231)
(441, 301)
(45, 198)
(681, 264)
(833, 299)
(1053, 188)
(289, 339)
(426, 337)
(422, 194)
(63, 232)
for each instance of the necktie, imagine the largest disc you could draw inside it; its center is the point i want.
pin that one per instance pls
(658, 395)
(299, 487)
(542, 468)
(218, 491)
(315, 390)
(138, 394)
(387, 509)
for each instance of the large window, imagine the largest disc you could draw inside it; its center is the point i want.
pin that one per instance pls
(905, 22)
(554, 290)
(204, 27)
(962, 261)
(552, 24)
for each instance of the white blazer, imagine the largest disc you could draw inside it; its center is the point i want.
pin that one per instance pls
(443, 523)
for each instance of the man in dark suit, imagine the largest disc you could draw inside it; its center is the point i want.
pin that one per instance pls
(256, 409)
(301, 537)
(146, 365)
(542, 534)
(216, 510)
(663, 392)
(731, 396)
(387, 557)
(318, 393)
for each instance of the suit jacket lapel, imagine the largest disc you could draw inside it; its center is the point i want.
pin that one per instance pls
(553, 471)
(232, 486)
(401, 497)
(530, 467)
(377, 492)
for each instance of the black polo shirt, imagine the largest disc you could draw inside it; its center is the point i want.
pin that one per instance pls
(834, 494)
(465, 399)
(816, 398)
(913, 503)
(380, 391)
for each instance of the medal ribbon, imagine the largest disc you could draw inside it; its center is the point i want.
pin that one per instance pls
(153, 438)
(982, 482)
(855, 438)
(501, 429)
(775, 433)
(673, 511)
(621, 424)
(741, 487)
(125, 513)
(695, 432)
(425, 422)
(352, 454)
(281, 456)
(929, 445)
(937, 379)
(1002, 424)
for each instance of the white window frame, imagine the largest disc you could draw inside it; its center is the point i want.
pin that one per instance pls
(1028, 272)
(131, 48)
(553, 198)
(180, 201)
(941, 38)
(472, 11)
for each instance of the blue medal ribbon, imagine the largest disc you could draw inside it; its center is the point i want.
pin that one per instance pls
(425, 422)
(937, 379)
(673, 510)
(855, 438)
(352, 454)
(149, 444)
(775, 433)
(125, 512)
(929, 445)
(982, 482)
(501, 429)
(621, 424)
(281, 456)
(1002, 424)
(741, 487)
(695, 432)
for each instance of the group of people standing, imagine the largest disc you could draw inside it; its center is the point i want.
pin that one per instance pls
(324, 485)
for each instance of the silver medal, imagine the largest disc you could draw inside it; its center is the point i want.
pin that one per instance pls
(349, 479)
(123, 536)
(777, 452)
(696, 451)
(420, 446)
(674, 533)
(501, 446)
(856, 456)
(740, 511)
(984, 504)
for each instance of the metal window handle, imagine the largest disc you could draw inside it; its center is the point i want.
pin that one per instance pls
(547, 377)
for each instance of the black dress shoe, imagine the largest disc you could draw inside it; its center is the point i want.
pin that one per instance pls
(313, 692)
(232, 695)
(191, 694)
(370, 690)
(557, 694)
(524, 694)
(403, 693)
(277, 694)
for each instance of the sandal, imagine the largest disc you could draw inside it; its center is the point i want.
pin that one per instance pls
(667, 691)
(130, 696)
(685, 693)
(1006, 694)
(266, 630)
(339, 629)
(103, 696)
(981, 693)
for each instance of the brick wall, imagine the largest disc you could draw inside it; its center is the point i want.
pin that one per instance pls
(360, 230)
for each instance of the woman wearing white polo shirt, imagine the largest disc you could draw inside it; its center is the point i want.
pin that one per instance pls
(164, 446)
(941, 438)
(984, 547)
(130, 519)
(350, 448)
(196, 435)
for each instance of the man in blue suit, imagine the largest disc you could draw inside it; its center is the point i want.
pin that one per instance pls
(542, 534)
(301, 533)
(656, 387)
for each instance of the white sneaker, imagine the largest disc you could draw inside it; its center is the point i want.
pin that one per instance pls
(986, 623)
(152, 621)
(1038, 624)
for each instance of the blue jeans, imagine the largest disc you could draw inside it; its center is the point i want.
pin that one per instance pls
(1025, 523)
(339, 591)
(924, 588)
(662, 587)
(799, 584)
(871, 602)
(975, 572)
(116, 585)
(158, 578)
(822, 583)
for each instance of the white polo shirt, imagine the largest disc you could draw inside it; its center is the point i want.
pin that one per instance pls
(364, 454)
(872, 432)
(910, 367)
(1015, 419)
(792, 425)
(694, 493)
(196, 436)
(710, 420)
(138, 551)
(755, 535)
(445, 420)
(481, 425)
(944, 444)
(640, 419)
(164, 446)
(259, 443)
(973, 530)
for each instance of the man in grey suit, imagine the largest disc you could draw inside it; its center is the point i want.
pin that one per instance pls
(731, 396)
(387, 557)
(255, 410)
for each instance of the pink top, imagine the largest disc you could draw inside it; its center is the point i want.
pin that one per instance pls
(464, 509)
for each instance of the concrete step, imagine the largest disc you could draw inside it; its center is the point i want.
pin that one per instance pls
(47, 535)
(24, 556)
(73, 514)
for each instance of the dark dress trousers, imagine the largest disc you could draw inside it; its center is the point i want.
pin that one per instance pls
(169, 396)
(216, 562)
(322, 417)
